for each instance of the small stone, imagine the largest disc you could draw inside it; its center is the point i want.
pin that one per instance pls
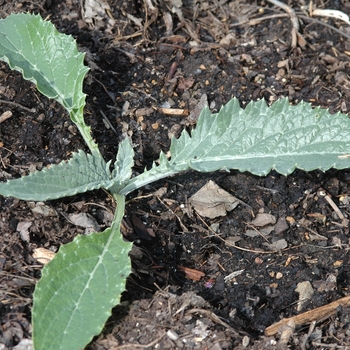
(245, 341)
(172, 335)
(279, 275)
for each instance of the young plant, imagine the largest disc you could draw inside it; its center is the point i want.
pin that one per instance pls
(79, 287)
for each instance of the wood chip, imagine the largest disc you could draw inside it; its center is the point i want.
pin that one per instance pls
(309, 316)
(43, 255)
(4, 116)
(173, 111)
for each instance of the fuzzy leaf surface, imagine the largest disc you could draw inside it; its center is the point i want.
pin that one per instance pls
(44, 56)
(123, 165)
(79, 287)
(83, 172)
(48, 59)
(257, 139)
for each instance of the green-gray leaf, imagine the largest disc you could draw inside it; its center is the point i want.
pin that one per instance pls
(258, 139)
(83, 172)
(44, 56)
(79, 287)
(123, 165)
(50, 60)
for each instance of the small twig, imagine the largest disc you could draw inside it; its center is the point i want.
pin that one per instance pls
(257, 231)
(30, 110)
(309, 316)
(256, 21)
(232, 245)
(293, 18)
(184, 228)
(106, 120)
(322, 238)
(4, 116)
(211, 315)
(143, 92)
(173, 111)
(310, 19)
(329, 200)
(105, 89)
(132, 57)
(267, 189)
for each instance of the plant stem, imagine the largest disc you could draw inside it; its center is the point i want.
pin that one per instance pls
(78, 119)
(120, 200)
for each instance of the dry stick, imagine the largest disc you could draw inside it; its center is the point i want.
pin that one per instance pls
(150, 6)
(184, 228)
(232, 245)
(31, 110)
(256, 21)
(293, 18)
(310, 19)
(214, 318)
(4, 116)
(173, 111)
(345, 221)
(309, 316)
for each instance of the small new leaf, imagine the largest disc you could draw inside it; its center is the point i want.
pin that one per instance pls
(83, 172)
(123, 165)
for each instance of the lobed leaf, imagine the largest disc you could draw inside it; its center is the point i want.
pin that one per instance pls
(48, 59)
(44, 56)
(258, 139)
(83, 172)
(79, 287)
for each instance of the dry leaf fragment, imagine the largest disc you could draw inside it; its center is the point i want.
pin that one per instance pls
(22, 228)
(191, 274)
(96, 10)
(43, 255)
(212, 201)
(281, 226)
(85, 220)
(185, 83)
(5, 115)
(305, 291)
(43, 210)
(325, 286)
(263, 219)
(193, 117)
(332, 13)
(278, 245)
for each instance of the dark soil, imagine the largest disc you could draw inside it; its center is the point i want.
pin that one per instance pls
(139, 64)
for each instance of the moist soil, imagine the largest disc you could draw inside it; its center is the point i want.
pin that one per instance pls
(197, 283)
